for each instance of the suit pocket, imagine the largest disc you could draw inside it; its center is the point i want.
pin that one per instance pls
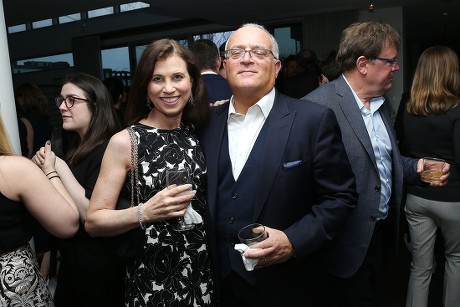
(292, 164)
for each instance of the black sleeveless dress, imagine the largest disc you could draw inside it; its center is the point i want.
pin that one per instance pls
(175, 269)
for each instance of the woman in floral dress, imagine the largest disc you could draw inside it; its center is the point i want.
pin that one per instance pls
(167, 103)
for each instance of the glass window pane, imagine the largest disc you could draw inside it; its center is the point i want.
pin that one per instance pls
(42, 23)
(69, 18)
(287, 42)
(139, 51)
(116, 59)
(100, 12)
(218, 38)
(133, 6)
(18, 28)
(44, 63)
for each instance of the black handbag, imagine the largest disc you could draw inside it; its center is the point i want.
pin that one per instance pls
(130, 245)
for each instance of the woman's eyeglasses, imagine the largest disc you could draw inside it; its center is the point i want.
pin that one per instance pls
(69, 101)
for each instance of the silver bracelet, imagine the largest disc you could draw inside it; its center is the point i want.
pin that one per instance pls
(139, 216)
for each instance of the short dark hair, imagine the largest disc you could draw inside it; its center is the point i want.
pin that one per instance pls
(329, 67)
(364, 39)
(206, 53)
(115, 87)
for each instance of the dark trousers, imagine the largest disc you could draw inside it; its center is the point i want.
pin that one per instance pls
(361, 290)
(298, 291)
(236, 292)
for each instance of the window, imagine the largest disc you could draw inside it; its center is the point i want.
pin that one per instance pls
(42, 23)
(16, 29)
(100, 12)
(69, 18)
(288, 39)
(116, 59)
(218, 38)
(59, 61)
(133, 6)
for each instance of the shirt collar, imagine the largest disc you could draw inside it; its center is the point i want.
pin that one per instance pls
(265, 104)
(375, 102)
(208, 73)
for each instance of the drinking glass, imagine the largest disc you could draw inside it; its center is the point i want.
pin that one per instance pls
(432, 170)
(179, 177)
(252, 233)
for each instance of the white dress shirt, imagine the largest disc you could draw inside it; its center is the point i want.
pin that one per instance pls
(243, 130)
(381, 146)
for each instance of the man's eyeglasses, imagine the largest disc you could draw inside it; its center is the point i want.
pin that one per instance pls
(69, 101)
(259, 53)
(392, 62)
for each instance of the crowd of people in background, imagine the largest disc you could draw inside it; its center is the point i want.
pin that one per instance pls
(303, 145)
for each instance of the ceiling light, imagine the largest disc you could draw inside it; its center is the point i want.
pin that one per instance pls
(370, 8)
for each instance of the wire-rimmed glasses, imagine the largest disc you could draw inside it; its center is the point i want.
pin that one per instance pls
(259, 53)
(68, 100)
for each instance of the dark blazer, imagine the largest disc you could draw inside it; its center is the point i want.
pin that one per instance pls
(300, 85)
(306, 189)
(353, 242)
(217, 87)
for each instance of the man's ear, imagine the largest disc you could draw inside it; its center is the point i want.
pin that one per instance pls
(219, 62)
(278, 66)
(361, 64)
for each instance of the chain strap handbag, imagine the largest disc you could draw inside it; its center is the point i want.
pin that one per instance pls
(130, 245)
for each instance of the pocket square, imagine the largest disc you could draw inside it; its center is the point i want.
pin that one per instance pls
(292, 163)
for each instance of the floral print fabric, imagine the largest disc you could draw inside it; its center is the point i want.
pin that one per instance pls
(21, 282)
(175, 269)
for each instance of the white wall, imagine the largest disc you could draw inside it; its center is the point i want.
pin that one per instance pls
(7, 104)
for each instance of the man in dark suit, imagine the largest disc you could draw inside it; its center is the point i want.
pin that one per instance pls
(367, 57)
(278, 161)
(208, 60)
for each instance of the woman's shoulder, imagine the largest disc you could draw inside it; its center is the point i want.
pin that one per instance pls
(15, 162)
(120, 140)
(15, 166)
(17, 172)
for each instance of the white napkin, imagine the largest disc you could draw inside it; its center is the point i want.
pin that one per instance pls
(191, 216)
(249, 264)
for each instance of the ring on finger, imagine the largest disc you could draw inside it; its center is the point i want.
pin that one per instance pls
(265, 260)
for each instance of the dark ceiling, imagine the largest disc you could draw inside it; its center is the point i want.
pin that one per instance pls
(425, 19)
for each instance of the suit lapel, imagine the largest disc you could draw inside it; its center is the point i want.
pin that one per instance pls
(215, 135)
(353, 115)
(279, 124)
(396, 156)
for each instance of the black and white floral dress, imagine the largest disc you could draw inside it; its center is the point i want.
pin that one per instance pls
(175, 269)
(21, 284)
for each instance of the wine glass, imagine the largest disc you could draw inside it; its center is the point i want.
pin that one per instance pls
(179, 177)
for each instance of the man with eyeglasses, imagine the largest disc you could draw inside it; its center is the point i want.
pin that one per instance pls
(277, 161)
(367, 56)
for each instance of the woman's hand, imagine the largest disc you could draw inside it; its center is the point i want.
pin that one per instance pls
(45, 158)
(171, 202)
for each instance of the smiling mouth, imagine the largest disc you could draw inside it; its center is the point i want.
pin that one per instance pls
(170, 100)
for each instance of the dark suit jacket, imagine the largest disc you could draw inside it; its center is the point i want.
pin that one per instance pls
(217, 87)
(353, 242)
(306, 189)
(300, 85)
